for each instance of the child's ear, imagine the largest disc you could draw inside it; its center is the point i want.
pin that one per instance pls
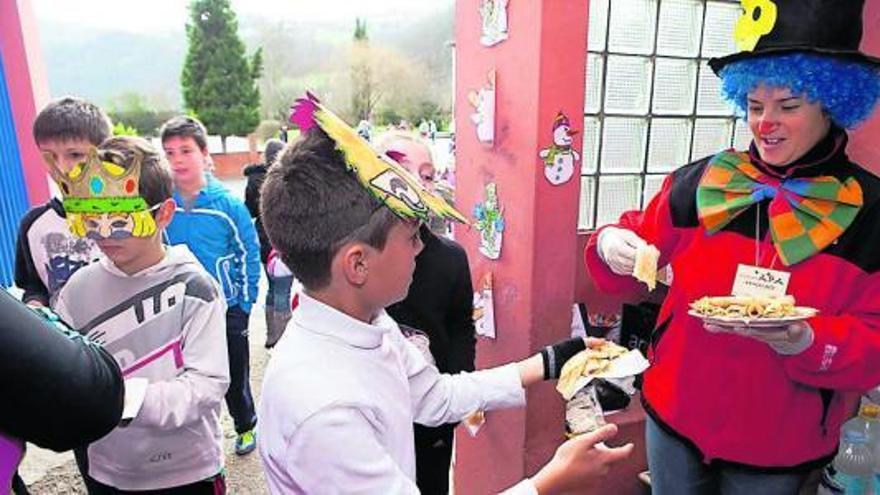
(165, 213)
(355, 266)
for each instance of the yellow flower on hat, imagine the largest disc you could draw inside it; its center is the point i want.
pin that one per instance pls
(758, 19)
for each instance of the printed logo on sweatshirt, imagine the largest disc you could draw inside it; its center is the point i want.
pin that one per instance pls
(145, 329)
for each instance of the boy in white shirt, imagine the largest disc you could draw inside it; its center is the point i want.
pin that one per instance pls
(344, 386)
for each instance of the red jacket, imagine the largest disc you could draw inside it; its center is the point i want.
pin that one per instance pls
(733, 398)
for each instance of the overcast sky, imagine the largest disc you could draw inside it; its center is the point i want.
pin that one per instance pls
(171, 15)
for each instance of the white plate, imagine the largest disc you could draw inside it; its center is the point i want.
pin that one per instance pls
(727, 321)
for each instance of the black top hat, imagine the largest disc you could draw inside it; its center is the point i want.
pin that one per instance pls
(824, 27)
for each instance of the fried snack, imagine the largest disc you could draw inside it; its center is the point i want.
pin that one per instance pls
(592, 361)
(607, 350)
(754, 307)
(645, 269)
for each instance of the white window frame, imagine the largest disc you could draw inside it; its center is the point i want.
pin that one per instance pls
(592, 213)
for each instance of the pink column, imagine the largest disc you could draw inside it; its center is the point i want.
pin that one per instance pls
(540, 71)
(28, 89)
(864, 147)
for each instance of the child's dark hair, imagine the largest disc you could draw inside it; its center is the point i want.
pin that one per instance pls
(155, 184)
(71, 118)
(312, 206)
(184, 126)
(272, 150)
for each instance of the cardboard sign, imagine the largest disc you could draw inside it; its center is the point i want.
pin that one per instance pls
(757, 281)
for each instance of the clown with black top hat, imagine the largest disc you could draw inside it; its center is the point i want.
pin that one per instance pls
(733, 408)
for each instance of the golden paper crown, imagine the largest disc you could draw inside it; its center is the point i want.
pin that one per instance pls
(100, 184)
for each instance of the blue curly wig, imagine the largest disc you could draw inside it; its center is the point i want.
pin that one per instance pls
(847, 90)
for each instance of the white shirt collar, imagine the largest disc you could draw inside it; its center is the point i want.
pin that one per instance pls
(315, 316)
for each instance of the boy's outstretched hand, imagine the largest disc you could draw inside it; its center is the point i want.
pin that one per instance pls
(581, 463)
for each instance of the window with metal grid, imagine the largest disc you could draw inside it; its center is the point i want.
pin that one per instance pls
(652, 102)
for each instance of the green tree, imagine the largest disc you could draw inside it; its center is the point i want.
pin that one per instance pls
(138, 111)
(120, 129)
(219, 82)
(360, 29)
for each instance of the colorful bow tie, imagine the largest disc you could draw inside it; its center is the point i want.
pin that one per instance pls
(806, 214)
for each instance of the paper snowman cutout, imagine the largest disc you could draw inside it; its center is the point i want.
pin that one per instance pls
(560, 158)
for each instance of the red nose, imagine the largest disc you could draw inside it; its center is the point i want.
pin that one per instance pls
(765, 127)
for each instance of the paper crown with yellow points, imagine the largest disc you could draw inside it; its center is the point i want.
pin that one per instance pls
(103, 185)
(381, 175)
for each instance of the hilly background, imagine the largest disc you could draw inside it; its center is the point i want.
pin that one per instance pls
(110, 65)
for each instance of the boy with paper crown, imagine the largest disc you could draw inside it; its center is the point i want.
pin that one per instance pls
(344, 385)
(159, 314)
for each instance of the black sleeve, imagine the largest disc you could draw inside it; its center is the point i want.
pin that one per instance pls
(26, 276)
(460, 318)
(252, 193)
(60, 390)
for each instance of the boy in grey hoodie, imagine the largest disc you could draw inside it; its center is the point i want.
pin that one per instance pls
(160, 315)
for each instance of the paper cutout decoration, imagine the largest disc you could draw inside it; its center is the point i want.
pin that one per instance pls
(490, 223)
(474, 422)
(757, 20)
(494, 14)
(560, 158)
(101, 196)
(383, 177)
(484, 308)
(483, 102)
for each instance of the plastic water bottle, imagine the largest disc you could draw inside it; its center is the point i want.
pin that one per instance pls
(868, 421)
(855, 463)
(859, 443)
(876, 476)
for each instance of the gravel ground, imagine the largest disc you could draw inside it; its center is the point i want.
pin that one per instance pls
(46, 472)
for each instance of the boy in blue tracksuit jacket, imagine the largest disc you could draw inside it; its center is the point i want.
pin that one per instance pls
(217, 228)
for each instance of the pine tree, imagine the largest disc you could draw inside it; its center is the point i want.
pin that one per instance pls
(219, 82)
(360, 30)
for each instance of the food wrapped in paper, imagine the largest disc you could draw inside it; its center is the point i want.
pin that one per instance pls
(606, 360)
(583, 413)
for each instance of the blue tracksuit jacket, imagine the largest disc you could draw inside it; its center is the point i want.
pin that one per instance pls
(218, 229)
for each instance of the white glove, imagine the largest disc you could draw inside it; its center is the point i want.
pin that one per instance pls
(617, 248)
(788, 340)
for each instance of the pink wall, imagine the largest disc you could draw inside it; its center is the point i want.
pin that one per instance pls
(864, 146)
(540, 71)
(28, 90)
